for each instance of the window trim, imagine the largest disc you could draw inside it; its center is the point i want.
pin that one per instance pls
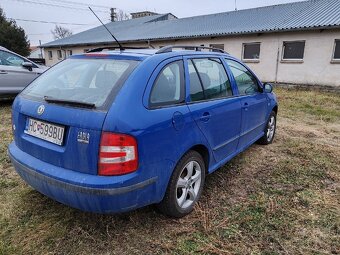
(250, 60)
(333, 59)
(226, 71)
(182, 98)
(292, 60)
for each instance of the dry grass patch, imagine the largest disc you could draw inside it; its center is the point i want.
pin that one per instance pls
(278, 199)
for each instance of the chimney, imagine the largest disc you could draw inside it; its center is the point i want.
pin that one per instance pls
(113, 14)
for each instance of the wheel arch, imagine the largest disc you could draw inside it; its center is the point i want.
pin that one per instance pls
(204, 152)
(275, 108)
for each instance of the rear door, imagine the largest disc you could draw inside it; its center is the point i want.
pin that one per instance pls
(254, 103)
(13, 76)
(213, 105)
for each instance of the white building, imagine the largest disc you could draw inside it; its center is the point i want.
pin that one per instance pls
(296, 43)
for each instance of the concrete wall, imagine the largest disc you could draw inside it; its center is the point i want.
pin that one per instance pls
(317, 67)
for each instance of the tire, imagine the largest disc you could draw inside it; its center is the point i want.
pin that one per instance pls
(269, 131)
(185, 186)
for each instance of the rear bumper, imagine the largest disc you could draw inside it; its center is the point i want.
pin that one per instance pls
(83, 191)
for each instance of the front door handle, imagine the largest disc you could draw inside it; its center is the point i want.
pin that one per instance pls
(3, 72)
(205, 117)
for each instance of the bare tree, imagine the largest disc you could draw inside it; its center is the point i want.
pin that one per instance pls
(60, 32)
(121, 15)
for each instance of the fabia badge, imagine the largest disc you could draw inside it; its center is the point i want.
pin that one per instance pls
(41, 109)
(83, 137)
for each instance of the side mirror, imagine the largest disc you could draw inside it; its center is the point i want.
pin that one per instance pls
(268, 88)
(28, 65)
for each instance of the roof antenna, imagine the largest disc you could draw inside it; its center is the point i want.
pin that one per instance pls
(235, 5)
(120, 46)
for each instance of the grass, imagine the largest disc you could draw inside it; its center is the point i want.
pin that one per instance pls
(278, 199)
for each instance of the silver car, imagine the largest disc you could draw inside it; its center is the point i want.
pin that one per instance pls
(16, 72)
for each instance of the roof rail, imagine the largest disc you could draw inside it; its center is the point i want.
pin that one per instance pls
(169, 48)
(115, 48)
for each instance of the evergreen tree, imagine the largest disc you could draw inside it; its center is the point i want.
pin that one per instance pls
(12, 36)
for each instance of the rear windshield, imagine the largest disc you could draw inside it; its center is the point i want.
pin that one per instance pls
(83, 80)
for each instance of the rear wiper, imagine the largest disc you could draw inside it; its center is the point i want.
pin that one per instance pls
(68, 102)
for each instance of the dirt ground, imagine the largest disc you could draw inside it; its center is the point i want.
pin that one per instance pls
(278, 199)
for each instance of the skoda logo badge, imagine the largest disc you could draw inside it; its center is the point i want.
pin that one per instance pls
(41, 109)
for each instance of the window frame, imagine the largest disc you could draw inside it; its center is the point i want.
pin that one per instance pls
(292, 60)
(182, 98)
(61, 54)
(50, 54)
(259, 83)
(213, 45)
(252, 60)
(225, 69)
(333, 59)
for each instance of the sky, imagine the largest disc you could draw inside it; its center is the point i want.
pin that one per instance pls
(39, 17)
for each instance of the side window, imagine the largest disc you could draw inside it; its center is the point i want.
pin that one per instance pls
(168, 88)
(9, 59)
(209, 73)
(246, 82)
(196, 89)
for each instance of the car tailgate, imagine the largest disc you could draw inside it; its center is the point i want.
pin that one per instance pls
(82, 130)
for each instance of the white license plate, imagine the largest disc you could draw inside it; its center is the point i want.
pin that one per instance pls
(45, 131)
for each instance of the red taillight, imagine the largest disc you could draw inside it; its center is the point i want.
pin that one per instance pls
(117, 154)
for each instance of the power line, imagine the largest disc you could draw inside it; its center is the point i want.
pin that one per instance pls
(82, 4)
(51, 22)
(56, 5)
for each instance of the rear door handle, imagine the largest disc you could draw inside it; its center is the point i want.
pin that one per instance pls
(205, 117)
(245, 105)
(3, 72)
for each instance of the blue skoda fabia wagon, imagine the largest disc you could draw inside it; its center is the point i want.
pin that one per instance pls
(114, 130)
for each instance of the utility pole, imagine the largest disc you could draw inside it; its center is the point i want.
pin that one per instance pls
(113, 14)
(41, 53)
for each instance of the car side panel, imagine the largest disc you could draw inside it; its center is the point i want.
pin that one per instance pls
(161, 143)
(13, 79)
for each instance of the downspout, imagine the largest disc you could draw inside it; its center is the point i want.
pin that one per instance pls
(277, 60)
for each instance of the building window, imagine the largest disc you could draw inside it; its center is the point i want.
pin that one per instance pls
(69, 53)
(217, 46)
(336, 53)
(50, 54)
(251, 51)
(60, 54)
(293, 50)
